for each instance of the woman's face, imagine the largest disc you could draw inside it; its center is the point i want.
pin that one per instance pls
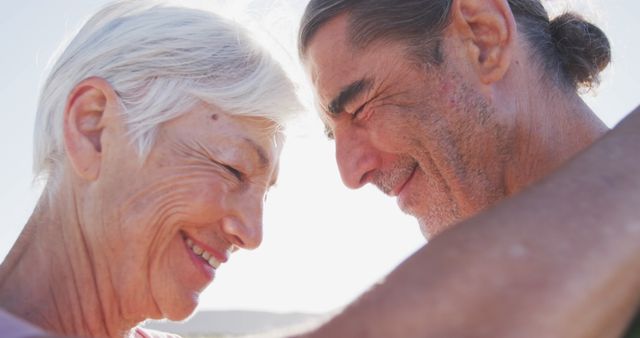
(159, 230)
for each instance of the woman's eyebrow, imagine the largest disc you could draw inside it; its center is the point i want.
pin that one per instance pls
(265, 161)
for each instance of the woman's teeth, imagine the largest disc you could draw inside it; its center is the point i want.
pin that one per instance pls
(208, 257)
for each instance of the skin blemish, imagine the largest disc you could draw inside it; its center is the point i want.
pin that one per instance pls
(445, 88)
(214, 117)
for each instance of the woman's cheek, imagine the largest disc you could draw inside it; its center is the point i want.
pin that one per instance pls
(206, 200)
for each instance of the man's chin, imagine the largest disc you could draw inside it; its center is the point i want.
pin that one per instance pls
(431, 227)
(429, 231)
(424, 229)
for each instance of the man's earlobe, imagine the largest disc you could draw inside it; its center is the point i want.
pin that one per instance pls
(83, 125)
(488, 28)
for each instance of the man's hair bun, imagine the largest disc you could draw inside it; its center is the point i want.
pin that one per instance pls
(583, 49)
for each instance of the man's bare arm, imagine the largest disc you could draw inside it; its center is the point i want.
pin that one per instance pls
(562, 259)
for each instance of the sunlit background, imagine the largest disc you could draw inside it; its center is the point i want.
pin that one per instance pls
(323, 244)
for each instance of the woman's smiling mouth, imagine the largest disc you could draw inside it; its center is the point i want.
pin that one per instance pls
(206, 259)
(202, 253)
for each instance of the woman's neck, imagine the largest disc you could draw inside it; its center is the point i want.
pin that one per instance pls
(49, 280)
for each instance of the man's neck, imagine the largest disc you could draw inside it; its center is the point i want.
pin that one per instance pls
(548, 133)
(48, 277)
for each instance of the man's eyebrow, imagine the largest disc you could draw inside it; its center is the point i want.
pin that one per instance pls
(348, 94)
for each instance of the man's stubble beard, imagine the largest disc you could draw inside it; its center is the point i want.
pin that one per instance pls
(472, 183)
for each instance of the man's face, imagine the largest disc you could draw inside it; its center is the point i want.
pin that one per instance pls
(421, 133)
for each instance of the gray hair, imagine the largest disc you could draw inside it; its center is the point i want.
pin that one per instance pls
(162, 61)
(571, 50)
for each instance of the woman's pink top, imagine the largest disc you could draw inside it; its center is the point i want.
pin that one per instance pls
(14, 327)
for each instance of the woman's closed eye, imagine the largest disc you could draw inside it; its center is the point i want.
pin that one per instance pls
(235, 172)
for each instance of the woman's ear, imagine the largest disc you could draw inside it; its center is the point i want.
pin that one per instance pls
(84, 122)
(488, 29)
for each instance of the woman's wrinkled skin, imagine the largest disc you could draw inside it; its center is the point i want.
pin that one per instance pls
(111, 240)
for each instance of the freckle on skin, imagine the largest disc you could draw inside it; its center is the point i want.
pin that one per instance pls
(214, 117)
(445, 88)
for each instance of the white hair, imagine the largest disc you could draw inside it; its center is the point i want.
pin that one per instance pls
(162, 61)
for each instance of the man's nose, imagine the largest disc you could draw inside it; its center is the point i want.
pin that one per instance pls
(243, 227)
(356, 158)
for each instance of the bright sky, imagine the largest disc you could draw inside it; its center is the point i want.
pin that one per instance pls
(323, 244)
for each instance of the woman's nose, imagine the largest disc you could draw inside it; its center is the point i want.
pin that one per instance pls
(243, 227)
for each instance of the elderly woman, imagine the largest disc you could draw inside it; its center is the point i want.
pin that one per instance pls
(158, 132)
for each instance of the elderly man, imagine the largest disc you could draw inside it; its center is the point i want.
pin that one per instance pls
(452, 106)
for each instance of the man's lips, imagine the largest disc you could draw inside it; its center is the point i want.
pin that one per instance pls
(398, 189)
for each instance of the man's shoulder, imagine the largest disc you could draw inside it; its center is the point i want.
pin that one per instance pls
(14, 327)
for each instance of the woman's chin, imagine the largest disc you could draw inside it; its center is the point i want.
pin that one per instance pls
(175, 301)
(179, 311)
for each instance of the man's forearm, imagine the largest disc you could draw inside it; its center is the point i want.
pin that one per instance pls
(559, 260)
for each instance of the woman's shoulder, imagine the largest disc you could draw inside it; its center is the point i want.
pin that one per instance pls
(14, 327)
(146, 333)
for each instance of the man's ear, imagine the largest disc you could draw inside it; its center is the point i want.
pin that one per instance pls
(84, 122)
(488, 29)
